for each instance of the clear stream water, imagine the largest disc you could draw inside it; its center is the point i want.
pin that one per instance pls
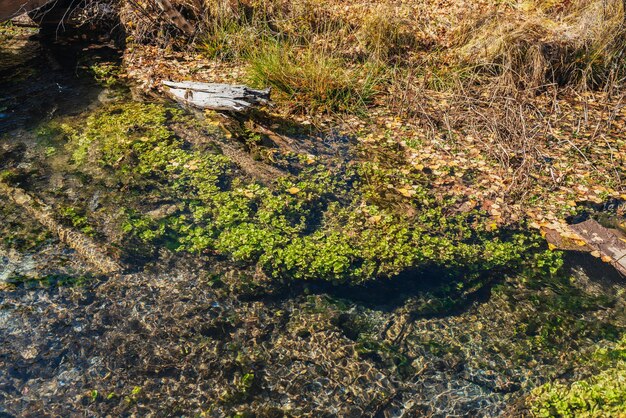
(178, 338)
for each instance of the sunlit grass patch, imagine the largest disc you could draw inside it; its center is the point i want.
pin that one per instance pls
(313, 78)
(227, 40)
(386, 34)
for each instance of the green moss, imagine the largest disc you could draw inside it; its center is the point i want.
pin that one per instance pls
(385, 353)
(134, 396)
(76, 218)
(546, 331)
(8, 30)
(17, 230)
(340, 222)
(106, 74)
(53, 280)
(602, 395)
(557, 316)
(116, 132)
(52, 131)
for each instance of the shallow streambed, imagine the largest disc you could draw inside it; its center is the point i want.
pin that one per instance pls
(207, 323)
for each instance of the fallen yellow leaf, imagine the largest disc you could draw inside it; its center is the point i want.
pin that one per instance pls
(404, 192)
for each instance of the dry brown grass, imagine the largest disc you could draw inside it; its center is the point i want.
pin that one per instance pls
(578, 43)
(508, 80)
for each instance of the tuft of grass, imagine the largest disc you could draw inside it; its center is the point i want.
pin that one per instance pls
(227, 40)
(386, 35)
(314, 79)
(537, 44)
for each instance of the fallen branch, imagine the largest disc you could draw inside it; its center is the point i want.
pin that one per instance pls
(42, 213)
(589, 236)
(11, 8)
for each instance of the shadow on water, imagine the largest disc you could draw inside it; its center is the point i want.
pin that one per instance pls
(429, 292)
(432, 292)
(426, 292)
(436, 292)
(599, 272)
(41, 80)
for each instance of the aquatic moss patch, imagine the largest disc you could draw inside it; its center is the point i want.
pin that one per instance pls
(47, 281)
(603, 394)
(107, 74)
(77, 219)
(19, 232)
(341, 222)
(558, 314)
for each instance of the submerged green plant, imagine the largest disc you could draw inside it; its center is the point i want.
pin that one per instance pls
(106, 74)
(52, 280)
(603, 395)
(333, 223)
(77, 219)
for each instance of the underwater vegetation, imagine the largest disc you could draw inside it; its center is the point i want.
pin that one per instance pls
(343, 222)
(601, 394)
(358, 282)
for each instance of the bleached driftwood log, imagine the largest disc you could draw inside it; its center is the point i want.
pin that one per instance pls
(217, 96)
